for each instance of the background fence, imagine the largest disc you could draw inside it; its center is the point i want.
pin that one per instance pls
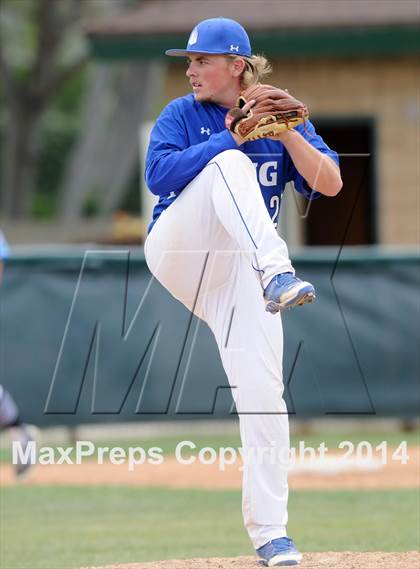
(90, 337)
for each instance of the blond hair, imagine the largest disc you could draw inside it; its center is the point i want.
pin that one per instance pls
(256, 68)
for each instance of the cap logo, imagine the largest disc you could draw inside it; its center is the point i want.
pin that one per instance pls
(193, 37)
(234, 47)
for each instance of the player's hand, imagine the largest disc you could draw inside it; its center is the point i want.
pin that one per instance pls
(248, 105)
(245, 109)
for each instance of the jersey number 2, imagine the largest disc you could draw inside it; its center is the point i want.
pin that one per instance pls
(275, 202)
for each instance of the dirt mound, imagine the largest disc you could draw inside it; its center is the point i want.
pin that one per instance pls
(338, 560)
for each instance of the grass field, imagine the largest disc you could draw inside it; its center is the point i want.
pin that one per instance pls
(68, 527)
(64, 527)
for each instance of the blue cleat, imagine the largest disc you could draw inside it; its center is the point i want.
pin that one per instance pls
(287, 291)
(279, 552)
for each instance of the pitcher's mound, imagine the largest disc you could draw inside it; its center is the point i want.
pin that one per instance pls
(335, 560)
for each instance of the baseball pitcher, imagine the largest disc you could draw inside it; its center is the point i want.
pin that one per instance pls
(219, 159)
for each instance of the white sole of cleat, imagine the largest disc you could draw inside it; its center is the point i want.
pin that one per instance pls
(275, 307)
(282, 561)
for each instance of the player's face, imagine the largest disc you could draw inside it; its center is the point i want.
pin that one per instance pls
(213, 78)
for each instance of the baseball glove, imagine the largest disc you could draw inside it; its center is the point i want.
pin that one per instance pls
(274, 112)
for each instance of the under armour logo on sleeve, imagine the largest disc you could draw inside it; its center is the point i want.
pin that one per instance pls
(205, 131)
(234, 47)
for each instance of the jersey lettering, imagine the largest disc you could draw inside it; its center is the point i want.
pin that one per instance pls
(267, 173)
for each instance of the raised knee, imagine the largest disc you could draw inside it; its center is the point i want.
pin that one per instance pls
(232, 156)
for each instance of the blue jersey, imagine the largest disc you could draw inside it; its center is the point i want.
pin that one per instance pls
(188, 134)
(4, 248)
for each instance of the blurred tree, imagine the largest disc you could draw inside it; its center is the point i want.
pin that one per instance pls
(37, 57)
(42, 50)
(118, 99)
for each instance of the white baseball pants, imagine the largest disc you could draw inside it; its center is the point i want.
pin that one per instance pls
(215, 249)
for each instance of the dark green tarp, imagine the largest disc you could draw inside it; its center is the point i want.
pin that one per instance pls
(90, 337)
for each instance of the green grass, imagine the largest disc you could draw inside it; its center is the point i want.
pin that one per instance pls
(331, 438)
(69, 527)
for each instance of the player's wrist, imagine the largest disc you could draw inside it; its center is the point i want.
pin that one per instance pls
(285, 137)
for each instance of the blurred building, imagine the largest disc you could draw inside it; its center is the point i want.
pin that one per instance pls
(356, 66)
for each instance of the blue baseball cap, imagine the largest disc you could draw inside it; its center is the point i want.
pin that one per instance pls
(216, 36)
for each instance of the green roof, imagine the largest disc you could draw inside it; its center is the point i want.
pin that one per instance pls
(310, 42)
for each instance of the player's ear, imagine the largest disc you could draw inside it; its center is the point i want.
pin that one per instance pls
(237, 66)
